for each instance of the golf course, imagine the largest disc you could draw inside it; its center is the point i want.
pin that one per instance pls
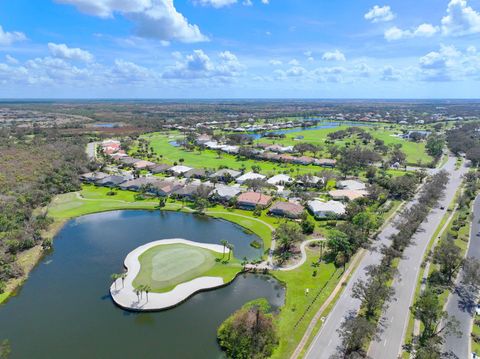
(163, 267)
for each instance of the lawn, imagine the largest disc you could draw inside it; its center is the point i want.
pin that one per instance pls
(163, 267)
(299, 308)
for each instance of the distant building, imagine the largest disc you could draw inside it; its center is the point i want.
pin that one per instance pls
(280, 179)
(225, 174)
(179, 170)
(224, 193)
(141, 165)
(346, 194)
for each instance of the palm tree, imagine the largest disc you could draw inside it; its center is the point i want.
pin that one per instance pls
(225, 244)
(230, 247)
(123, 276)
(114, 277)
(147, 289)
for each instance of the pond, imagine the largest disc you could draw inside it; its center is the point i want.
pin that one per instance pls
(64, 309)
(321, 124)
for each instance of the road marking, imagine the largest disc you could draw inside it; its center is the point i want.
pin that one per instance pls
(385, 343)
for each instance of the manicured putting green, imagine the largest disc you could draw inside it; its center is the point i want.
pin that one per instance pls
(163, 267)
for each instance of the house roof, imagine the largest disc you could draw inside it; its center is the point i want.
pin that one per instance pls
(157, 168)
(142, 181)
(347, 193)
(250, 176)
(112, 179)
(226, 191)
(180, 169)
(281, 178)
(254, 198)
(143, 164)
(225, 171)
(336, 207)
(287, 207)
(129, 160)
(351, 185)
(195, 172)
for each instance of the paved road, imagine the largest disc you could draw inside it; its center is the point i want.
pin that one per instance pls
(461, 304)
(327, 340)
(397, 314)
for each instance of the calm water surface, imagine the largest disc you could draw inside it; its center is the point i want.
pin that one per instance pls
(64, 309)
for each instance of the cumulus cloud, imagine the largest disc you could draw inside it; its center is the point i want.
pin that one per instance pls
(8, 38)
(389, 73)
(215, 3)
(129, 71)
(11, 60)
(199, 65)
(157, 19)
(65, 52)
(461, 19)
(275, 62)
(294, 62)
(423, 30)
(336, 55)
(380, 14)
(440, 65)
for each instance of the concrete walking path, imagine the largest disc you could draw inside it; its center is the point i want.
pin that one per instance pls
(125, 295)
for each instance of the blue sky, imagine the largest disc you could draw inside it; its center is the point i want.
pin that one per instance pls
(240, 49)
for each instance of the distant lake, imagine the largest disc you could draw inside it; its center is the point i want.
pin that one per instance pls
(105, 125)
(64, 310)
(322, 124)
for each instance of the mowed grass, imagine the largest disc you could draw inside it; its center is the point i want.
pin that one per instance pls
(299, 308)
(163, 267)
(415, 151)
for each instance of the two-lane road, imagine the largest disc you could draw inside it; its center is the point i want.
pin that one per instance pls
(327, 340)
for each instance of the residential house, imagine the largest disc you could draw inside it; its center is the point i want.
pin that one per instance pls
(249, 176)
(92, 177)
(138, 183)
(159, 168)
(224, 193)
(280, 179)
(352, 185)
(287, 209)
(166, 188)
(202, 139)
(325, 162)
(347, 194)
(141, 165)
(225, 174)
(252, 200)
(196, 173)
(129, 161)
(111, 181)
(303, 160)
(179, 170)
(326, 209)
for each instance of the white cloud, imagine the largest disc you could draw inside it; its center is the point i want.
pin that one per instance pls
(216, 3)
(8, 38)
(275, 62)
(461, 19)
(65, 52)
(11, 60)
(131, 72)
(390, 74)
(294, 62)
(106, 8)
(296, 71)
(199, 65)
(363, 70)
(334, 56)
(423, 30)
(158, 19)
(440, 65)
(266, 2)
(380, 14)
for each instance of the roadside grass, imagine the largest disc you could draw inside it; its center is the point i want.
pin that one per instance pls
(475, 345)
(181, 263)
(298, 311)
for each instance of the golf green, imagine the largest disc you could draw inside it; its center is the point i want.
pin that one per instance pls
(163, 267)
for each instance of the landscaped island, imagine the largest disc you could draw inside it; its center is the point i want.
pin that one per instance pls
(164, 273)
